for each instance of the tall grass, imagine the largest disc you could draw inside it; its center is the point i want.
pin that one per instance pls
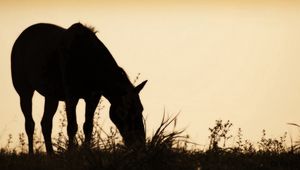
(166, 148)
(295, 146)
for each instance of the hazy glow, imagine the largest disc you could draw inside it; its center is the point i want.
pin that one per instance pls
(218, 60)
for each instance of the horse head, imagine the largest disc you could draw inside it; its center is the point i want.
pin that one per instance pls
(126, 114)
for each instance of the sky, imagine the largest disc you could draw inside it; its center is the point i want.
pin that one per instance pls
(226, 60)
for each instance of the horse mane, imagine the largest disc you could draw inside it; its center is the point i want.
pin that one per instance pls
(83, 28)
(91, 28)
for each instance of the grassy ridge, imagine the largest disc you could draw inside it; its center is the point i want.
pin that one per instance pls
(164, 150)
(150, 160)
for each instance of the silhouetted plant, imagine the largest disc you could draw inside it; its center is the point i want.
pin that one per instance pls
(272, 145)
(295, 146)
(9, 143)
(242, 146)
(136, 78)
(248, 147)
(168, 139)
(22, 143)
(38, 142)
(61, 141)
(218, 134)
(102, 139)
(239, 141)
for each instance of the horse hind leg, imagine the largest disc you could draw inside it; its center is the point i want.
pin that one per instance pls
(46, 123)
(26, 107)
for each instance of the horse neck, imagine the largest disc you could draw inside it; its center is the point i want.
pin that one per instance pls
(118, 85)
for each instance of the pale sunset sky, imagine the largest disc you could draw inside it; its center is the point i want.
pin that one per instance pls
(237, 61)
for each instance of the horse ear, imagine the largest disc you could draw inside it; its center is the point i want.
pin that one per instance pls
(139, 87)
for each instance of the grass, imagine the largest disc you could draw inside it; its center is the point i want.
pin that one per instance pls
(168, 148)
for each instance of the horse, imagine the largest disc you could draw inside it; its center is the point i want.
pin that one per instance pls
(67, 65)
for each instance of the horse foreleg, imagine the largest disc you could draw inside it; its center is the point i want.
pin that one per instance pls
(72, 122)
(49, 111)
(91, 104)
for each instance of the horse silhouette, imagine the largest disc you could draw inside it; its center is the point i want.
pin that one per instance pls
(69, 64)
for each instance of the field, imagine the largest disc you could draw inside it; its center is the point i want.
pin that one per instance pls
(166, 149)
